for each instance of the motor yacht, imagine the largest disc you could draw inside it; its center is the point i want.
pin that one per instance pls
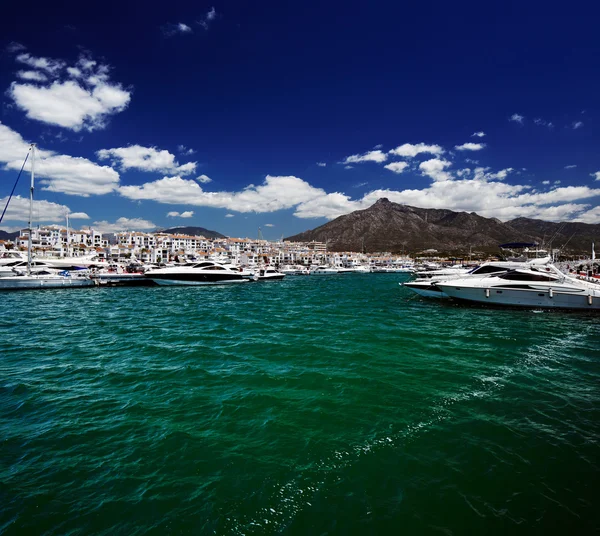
(268, 274)
(536, 286)
(294, 270)
(428, 287)
(323, 270)
(202, 273)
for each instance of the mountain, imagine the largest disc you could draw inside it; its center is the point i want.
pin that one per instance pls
(8, 236)
(387, 226)
(193, 231)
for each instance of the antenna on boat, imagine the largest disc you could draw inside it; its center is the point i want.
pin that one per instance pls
(29, 243)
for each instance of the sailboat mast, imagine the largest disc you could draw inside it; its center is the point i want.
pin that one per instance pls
(29, 244)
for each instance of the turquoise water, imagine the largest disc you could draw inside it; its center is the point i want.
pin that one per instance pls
(332, 405)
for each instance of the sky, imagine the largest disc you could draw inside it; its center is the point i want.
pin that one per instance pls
(240, 115)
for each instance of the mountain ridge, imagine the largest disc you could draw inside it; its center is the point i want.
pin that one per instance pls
(388, 226)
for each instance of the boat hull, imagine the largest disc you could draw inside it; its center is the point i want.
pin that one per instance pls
(169, 281)
(31, 283)
(540, 297)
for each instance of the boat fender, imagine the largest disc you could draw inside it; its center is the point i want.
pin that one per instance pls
(550, 293)
(487, 292)
(590, 299)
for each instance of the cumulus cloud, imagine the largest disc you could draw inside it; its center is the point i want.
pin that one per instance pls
(409, 150)
(45, 211)
(596, 175)
(57, 173)
(84, 101)
(434, 169)
(516, 118)
(186, 214)
(145, 159)
(32, 75)
(478, 134)
(576, 125)
(230, 215)
(274, 194)
(470, 147)
(371, 156)
(204, 179)
(321, 164)
(269, 225)
(397, 167)
(543, 123)
(123, 224)
(179, 28)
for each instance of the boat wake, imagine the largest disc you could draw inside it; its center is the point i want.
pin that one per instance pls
(290, 498)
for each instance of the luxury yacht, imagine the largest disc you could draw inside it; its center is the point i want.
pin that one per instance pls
(537, 286)
(428, 287)
(323, 270)
(267, 274)
(202, 273)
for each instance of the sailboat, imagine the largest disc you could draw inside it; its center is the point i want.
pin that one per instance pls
(32, 280)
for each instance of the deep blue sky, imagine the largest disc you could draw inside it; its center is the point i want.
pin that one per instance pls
(261, 89)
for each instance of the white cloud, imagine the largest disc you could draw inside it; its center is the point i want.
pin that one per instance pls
(170, 29)
(577, 124)
(57, 173)
(596, 175)
(348, 167)
(371, 156)
(590, 216)
(409, 150)
(230, 215)
(470, 147)
(186, 151)
(208, 18)
(484, 174)
(269, 225)
(83, 102)
(123, 224)
(397, 167)
(44, 211)
(517, 118)
(478, 134)
(51, 66)
(187, 214)
(32, 75)
(321, 164)
(13, 47)
(204, 179)
(545, 182)
(543, 123)
(434, 169)
(146, 159)
(274, 194)
(572, 166)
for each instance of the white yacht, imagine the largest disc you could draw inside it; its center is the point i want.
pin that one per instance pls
(537, 286)
(268, 274)
(428, 287)
(8, 257)
(295, 270)
(323, 270)
(202, 273)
